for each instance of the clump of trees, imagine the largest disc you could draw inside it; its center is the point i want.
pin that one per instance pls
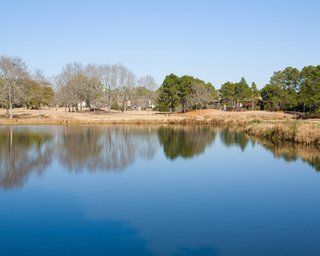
(293, 90)
(97, 86)
(185, 93)
(234, 94)
(77, 86)
(19, 87)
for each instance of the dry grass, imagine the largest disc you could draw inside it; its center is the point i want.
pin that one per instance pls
(308, 134)
(295, 131)
(53, 116)
(275, 126)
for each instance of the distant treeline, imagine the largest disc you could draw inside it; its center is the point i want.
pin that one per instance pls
(116, 87)
(77, 86)
(186, 93)
(288, 90)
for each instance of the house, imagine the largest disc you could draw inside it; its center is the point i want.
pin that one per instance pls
(81, 105)
(142, 104)
(226, 104)
(252, 104)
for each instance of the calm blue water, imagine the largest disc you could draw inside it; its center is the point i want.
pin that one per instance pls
(115, 190)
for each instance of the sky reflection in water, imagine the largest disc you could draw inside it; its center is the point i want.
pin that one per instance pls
(144, 190)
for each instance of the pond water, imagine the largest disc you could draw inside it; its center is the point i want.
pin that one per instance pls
(148, 190)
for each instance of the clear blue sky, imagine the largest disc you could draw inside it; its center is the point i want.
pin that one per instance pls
(214, 40)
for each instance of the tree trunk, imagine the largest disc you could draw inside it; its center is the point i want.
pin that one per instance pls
(11, 141)
(10, 109)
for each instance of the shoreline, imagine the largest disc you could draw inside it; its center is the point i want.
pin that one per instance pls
(273, 126)
(209, 116)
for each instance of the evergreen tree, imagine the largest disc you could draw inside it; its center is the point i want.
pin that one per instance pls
(272, 96)
(227, 91)
(185, 91)
(288, 82)
(242, 92)
(254, 90)
(309, 95)
(169, 98)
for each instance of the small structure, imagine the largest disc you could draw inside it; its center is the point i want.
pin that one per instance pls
(142, 104)
(227, 104)
(82, 104)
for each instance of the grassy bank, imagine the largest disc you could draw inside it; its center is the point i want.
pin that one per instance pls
(274, 126)
(59, 116)
(301, 132)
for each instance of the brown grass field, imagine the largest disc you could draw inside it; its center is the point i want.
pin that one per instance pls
(274, 126)
(23, 116)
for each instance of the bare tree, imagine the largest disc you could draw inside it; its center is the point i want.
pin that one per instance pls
(62, 97)
(92, 88)
(91, 92)
(78, 85)
(95, 85)
(69, 84)
(123, 80)
(67, 93)
(106, 76)
(13, 72)
(202, 95)
(39, 91)
(150, 85)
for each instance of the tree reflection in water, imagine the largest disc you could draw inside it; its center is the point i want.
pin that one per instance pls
(293, 152)
(113, 148)
(287, 151)
(110, 148)
(185, 141)
(22, 151)
(231, 137)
